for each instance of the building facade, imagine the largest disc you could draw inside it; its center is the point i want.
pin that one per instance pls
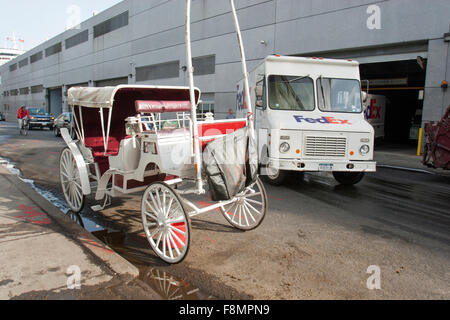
(402, 45)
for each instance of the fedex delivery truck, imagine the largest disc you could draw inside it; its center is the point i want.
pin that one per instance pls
(375, 113)
(309, 117)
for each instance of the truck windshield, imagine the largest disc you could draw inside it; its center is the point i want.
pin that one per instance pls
(339, 95)
(291, 93)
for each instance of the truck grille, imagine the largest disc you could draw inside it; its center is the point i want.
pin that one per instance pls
(326, 147)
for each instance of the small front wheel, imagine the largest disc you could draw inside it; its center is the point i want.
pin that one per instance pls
(249, 209)
(165, 223)
(348, 178)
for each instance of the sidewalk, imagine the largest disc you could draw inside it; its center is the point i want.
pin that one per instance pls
(404, 159)
(38, 244)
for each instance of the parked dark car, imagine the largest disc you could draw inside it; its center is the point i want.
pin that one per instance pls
(62, 121)
(39, 118)
(2, 117)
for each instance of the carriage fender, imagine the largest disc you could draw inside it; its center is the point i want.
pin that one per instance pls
(81, 164)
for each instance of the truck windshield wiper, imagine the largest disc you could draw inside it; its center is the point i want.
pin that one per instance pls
(321, 89)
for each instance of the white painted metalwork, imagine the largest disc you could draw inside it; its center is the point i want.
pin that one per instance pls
(190, 69)
(154, 149)
(71, 181)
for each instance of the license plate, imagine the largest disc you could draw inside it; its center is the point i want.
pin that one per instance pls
(326, 167)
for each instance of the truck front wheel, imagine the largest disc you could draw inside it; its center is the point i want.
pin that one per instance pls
(275, 177)
(348, 178)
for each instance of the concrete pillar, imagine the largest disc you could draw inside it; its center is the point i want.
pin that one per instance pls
(437, 99)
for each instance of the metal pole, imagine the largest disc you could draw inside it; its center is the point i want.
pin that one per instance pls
(190, 69)
(248, 100)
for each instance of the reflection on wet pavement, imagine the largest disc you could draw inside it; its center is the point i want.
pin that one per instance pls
(166, 285)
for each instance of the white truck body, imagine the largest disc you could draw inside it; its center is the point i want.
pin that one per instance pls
(375, 113)
(319, 138)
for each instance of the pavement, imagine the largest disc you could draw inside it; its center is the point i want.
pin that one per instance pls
(47, 253)
(405, 158)
(319, 240)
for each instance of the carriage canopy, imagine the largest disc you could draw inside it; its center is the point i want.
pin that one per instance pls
(105, 97)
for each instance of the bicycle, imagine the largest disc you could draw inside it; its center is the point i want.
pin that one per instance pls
(24, 127)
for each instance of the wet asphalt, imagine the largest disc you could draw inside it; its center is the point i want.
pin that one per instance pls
(317, 242)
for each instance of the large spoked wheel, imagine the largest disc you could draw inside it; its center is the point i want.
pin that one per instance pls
(165, 223)
(249, 209)
(70, 181)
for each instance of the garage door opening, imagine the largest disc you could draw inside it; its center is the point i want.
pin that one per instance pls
(401, 85)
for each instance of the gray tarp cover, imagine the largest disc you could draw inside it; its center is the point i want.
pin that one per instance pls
(231, 164)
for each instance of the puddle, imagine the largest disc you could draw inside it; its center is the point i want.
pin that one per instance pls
(57, 200)
(166, 285)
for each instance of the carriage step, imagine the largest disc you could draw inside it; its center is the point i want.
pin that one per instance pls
(106, 203)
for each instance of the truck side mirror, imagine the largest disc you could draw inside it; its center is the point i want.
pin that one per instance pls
(364, 96)
(259, 92)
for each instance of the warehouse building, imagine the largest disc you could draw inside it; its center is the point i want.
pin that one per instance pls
(402, 45)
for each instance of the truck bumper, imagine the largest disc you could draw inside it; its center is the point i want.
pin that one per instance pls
(323, 165)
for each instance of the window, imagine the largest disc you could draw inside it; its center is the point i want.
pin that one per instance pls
(13, 67)
(204, 108)
(24, 91)
(36, 57)
(53, 49)
(37, 89)
(204, 65)
(110, 82)
(110, 25)
(339, 95)
(158, 71)
(23, 63)
(14, 92)
(291, 93)
(77, 39)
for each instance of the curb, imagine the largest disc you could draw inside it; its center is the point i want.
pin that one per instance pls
(387, 166)
(395, 167)
(94, 246)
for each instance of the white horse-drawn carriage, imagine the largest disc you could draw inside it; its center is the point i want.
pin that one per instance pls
(147, 139)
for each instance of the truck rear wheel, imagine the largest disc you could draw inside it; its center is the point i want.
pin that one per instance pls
(275, 177)
(348, 178)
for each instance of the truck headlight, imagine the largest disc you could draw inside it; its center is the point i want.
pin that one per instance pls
(365, 149)
(285, 147)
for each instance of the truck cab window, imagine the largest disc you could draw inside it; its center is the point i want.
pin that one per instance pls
(291, 93)
(339, 95)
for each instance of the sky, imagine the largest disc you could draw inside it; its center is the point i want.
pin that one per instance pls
(37, 21)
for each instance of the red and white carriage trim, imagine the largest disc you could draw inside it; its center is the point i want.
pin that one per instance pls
(126, 144)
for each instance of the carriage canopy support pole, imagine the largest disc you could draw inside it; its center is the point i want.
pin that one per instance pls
(248, 100)
(190, 69)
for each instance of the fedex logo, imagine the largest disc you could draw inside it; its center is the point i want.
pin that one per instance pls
(373, 111)
(323, 120)
(241, 104)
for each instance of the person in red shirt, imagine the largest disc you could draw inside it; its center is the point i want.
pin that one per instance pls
(22, 114)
